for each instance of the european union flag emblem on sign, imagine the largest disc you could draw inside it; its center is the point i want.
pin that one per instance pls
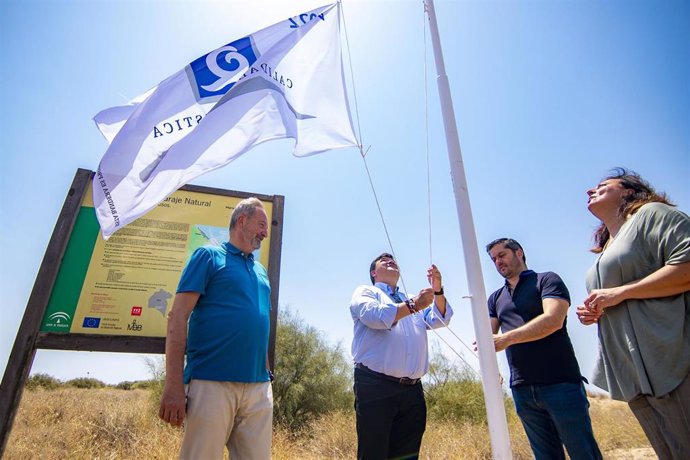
(91, 322)
(216, 72)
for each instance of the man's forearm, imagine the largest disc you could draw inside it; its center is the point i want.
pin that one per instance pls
(175, 345)
(173, 405)
(402, 310)
(538, 328)
(440, 302)
(554, 312)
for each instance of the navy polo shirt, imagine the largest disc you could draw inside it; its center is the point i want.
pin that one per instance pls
(545, 361)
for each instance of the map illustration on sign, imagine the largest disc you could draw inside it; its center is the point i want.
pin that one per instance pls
(159, 301)
(203, 235)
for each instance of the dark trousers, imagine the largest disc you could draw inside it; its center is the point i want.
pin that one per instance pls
(391, 418)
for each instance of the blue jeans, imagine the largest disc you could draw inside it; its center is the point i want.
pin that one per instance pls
(556, 415)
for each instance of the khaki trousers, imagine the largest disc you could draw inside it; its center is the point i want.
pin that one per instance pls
(228, 414)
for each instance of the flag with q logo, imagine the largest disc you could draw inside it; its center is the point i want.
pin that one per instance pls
(283, 81)
(215, 73)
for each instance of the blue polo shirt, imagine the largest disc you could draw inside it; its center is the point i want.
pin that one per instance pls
(228, 331)
(544, 361)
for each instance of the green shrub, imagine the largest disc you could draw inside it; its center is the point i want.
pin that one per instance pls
(85, 382)
(156, 367)
(138, 385)
(454, 392)
(146, 384)
(312, 377)
(126, 385)
(45, 381)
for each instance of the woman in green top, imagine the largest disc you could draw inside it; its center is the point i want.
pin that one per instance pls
(639, 294)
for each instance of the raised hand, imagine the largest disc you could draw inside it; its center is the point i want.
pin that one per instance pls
(433, 274)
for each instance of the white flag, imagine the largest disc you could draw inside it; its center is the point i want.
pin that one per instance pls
(283, 81)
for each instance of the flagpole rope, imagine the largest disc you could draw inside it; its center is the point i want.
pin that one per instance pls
(426, 133)
(402, 281)
(428, 177)
(341, 12)
(363, 155)
(462, 358)
(428, 172)
(428, 189)
(362, 152)
(383, 221)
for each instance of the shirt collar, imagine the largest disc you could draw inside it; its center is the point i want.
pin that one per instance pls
(232, 249)
(386, 288)
(522, 275)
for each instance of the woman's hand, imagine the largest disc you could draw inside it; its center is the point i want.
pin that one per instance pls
(588, 316)
(599, 299)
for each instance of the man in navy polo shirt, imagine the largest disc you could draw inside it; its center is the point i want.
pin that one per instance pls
(223, 300)
(545, 379)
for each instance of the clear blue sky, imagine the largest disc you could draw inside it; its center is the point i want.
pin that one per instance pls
(548, 96)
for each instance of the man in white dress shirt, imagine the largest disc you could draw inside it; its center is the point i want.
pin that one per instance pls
(390, 353)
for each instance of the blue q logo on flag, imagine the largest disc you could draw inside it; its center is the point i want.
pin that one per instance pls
(213, 74)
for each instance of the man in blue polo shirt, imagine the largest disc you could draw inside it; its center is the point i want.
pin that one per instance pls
(545, 379)
(221, 314)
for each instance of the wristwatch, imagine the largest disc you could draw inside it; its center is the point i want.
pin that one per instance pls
(439, 292)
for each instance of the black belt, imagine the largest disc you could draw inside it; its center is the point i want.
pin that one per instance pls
(390, 378)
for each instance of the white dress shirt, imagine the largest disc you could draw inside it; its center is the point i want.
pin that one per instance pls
(398, 349)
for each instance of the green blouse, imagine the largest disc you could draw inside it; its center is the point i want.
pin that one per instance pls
(644, 344)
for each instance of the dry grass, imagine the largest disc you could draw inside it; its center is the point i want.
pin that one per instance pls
(89, 424)
(617, 431)
(117, 424)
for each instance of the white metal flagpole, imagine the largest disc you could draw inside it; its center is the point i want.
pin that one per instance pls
(493, 395)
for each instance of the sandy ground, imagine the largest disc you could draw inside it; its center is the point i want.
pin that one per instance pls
(645, 453)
